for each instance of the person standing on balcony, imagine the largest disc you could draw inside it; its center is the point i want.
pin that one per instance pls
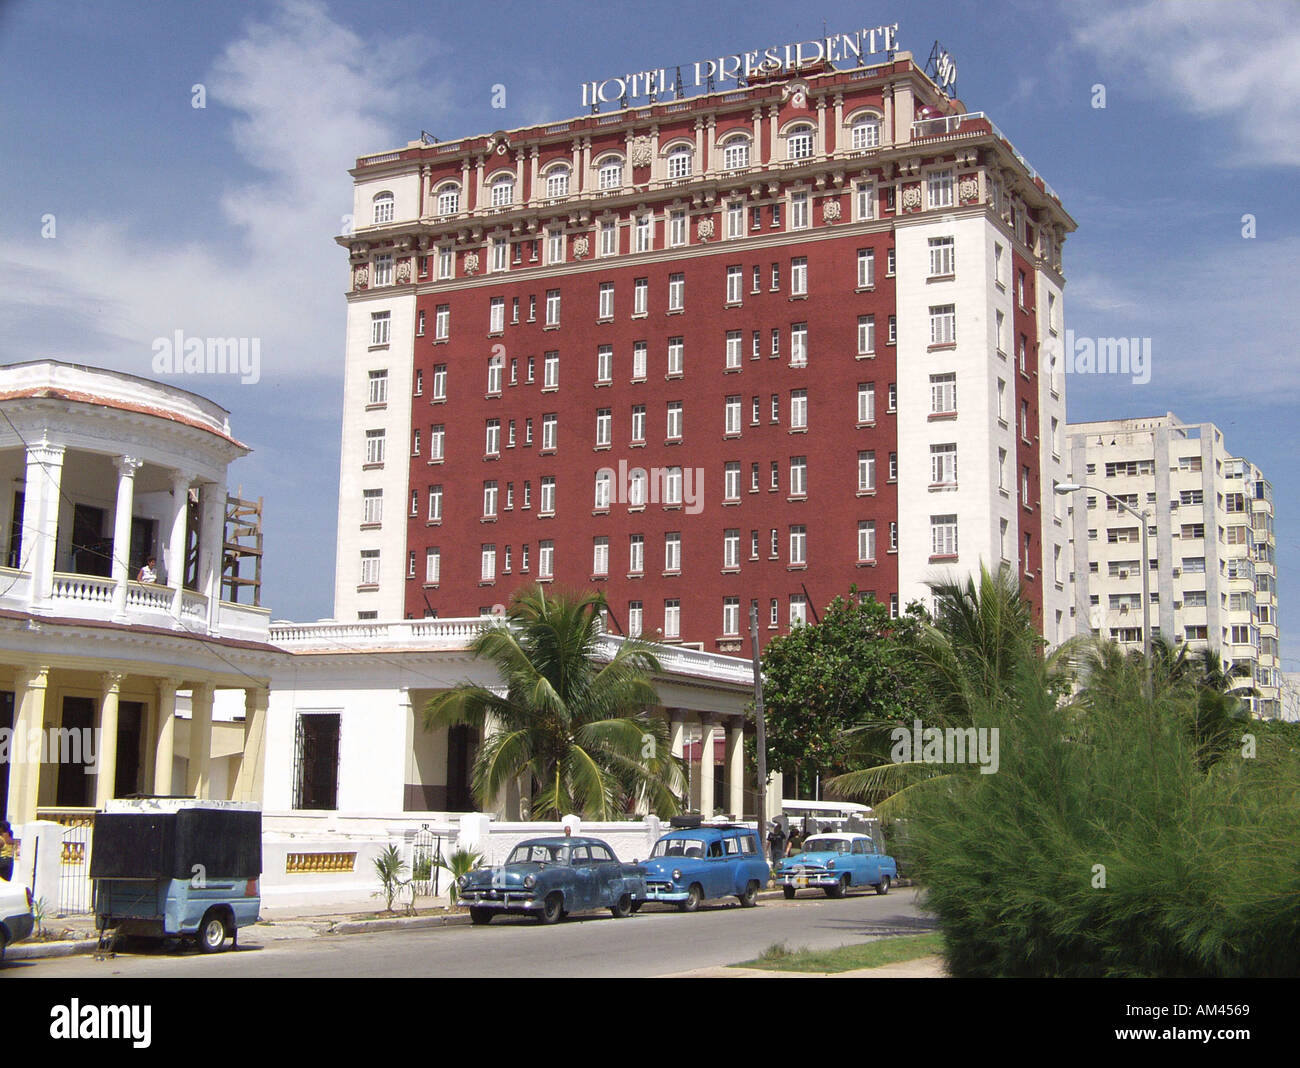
(147, 573)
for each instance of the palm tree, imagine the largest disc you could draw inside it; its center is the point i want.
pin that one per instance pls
(577, 729)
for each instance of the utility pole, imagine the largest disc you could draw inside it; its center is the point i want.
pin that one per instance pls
(761, 729)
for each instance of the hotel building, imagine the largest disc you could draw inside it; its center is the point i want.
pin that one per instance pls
(746, 348)
(1211, 544)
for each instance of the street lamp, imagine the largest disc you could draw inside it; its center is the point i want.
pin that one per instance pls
(1065, 488)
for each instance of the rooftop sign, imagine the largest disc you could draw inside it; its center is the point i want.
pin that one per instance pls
(740, 68)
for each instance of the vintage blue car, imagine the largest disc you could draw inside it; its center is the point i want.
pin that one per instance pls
(551, 877)
(692, 864)
(836, 862)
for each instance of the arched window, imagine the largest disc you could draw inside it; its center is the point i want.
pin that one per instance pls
(557, 181)
(383, 208)
(609, 174)
(679, 162)
(735, 152)
(866, 133)
(799, 142)
(503, 191)
(448, 199)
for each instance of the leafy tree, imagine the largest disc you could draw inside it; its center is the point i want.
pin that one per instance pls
(823, 684)
(575, 728)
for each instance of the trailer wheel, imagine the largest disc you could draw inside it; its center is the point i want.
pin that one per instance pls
(212, 932)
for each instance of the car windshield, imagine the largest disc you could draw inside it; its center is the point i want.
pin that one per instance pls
(825, 845)
(539, 853)
(679, 847)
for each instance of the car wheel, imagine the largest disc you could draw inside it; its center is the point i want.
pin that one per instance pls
(839, 889)
(3, 943)
(693, 898)
(212, 932)
(882, 887)
(622, 908)
(479, 916)
(552, 908)
(636, 906)
(750, 897)
(788, 891)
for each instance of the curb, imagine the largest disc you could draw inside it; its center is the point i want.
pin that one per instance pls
(399, 923)
(39, 950)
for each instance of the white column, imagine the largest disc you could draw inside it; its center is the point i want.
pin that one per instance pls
(701, 165)
(200, 779)
(533, 194)
(707, 727)
(756, 156)
(586, 163)
(106, 779)
(839, 124)
(212, 535)
(821, 126)
(126, 466)
(165, 749)
(41, 519)
(30, 685)
(677, 742)
(736, 767)
(176, 539)
(252, 765)
(478, 183)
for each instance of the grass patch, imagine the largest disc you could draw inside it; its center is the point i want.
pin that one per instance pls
(780, 957)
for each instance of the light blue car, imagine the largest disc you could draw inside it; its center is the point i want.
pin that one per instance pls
(690, 865)
(836, 863)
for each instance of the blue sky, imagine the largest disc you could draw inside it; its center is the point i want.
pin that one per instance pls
(220, 221)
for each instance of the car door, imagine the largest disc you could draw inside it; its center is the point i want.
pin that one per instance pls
(608, 875)
(859, 863)
(585, 893)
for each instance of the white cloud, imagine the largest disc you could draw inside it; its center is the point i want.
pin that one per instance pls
(1232, 63)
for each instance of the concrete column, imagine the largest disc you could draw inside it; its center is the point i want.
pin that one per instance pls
(700, 165)
(199, 783)
(29, 724)
(772, 114)
(478, 183)
(821, 126)
(711, 145)
(41, 519)
(736, 767)
(176, 539)
(532, 176)
(838, 130)
(110, 694)
(677, 742)
(126, 466)
(575, 171)
(707, 727)
(165, 749)
(212, 533)
(252, 766)
(756, 156)
(584, 182)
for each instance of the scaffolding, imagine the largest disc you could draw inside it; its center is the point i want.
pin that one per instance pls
(241, 567)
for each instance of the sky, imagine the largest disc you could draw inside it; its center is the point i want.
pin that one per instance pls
(128, 212)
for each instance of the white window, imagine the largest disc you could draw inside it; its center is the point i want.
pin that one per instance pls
(735, 218)
(442, 322)
(449, 200)
(498, 254)
(492, 438)
(437, 441)
(380, 323)
(735, 282)
(866, 539)
(866, 471)
(610, 175)
(635, 617)
(495, 367)
(432, 565)
(676, 292)
(679, 162)
(942, 256)
(435, 504)
(384, 270)
(866, 402)
(672, 551)
(798, 409)
(1000, 330)
(999, 265)
(378, 387)
(677, 228)
(606, 306)
(440, 382)
(730, 616)
(383, 208)
(798, 276)
(734, 339)
(550, 426)
(731, 549)
(496, 315)
(799, 345)
(546, 501)
(893, 330)
(503, 191)
(798, 211)
(636, 487)
(943, 535)
(638, 422)
(608, 243)
(799, 142)
(1002, 401)
(939, 189)
(732, 420)
(552, 307)
(731, 481)
(555, 245)
(865, 200)
(557, 181)
(943, 324)
(370, 567)
(644, 232)
(891, 401)
(600, 556)
(676, 355)
(672, 481)
(866, 268)
(372, 506)
(672, 619)
(798, 545)
(489, 499)
(375, 446)
(604, 427)
(546, 559)
(943, 463)
(735, 152)
(551, 371)
(674, 428)
(636, 554)
(640, 296)
(605, 363)
(798, 476)
(603, 482)
(943, 393)
(866, 134)
(446, 263)
(866, 335)
(638, 360)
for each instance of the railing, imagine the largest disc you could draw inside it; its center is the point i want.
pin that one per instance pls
(978, 122)
(88, 589)
(383, 157)
(149, 597)
(15, 585)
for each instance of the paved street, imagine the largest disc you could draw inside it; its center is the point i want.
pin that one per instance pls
(653, 942)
